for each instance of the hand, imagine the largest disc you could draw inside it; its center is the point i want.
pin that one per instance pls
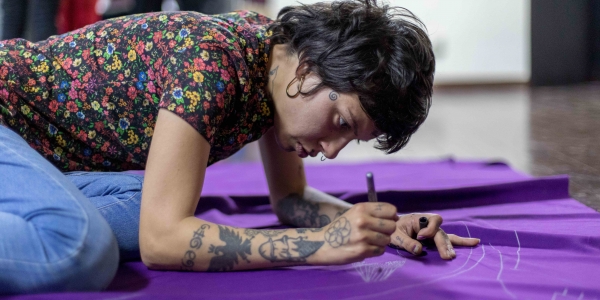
(361, 232)
(408, 229)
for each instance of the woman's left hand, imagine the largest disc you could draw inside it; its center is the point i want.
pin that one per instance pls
(408, 234)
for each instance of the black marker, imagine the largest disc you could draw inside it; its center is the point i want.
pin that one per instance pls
(423, 222)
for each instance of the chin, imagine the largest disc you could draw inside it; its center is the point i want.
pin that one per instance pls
(283, 147)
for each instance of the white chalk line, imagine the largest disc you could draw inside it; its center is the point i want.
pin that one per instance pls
(500, 274)
(377, 271)
(468, 257)
(565, 293)
(468, 232)
(371, 296)
(518, 251)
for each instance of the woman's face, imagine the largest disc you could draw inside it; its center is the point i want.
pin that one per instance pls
(323, 122)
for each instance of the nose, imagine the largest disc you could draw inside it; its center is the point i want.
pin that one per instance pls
(332, 148)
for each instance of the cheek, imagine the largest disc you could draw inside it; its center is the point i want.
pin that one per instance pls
(307, 119)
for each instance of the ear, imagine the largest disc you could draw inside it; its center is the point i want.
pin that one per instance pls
(302, 70)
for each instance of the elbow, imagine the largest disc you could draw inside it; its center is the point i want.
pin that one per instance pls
(150, 252)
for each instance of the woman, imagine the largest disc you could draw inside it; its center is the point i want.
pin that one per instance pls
(200, 87)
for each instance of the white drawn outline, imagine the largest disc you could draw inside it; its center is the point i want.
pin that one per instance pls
(565, 293)
(500, 274)
(518, 251)
(371, 296)
(372, 272)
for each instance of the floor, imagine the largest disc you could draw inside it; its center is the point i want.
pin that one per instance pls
(539, 131)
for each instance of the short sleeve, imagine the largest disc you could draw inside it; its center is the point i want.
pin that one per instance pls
(199, 86)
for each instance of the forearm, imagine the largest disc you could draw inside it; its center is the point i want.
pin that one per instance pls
(311, 209)
(197, 245)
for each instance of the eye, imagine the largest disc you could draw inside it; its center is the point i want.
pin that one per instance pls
(344, 124)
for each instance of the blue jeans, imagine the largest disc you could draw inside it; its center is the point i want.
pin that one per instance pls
(117, 196)
(52, 237)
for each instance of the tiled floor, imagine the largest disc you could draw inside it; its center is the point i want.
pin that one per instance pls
(540, 131)
(565, 138)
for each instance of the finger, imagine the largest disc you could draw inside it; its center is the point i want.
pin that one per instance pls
(401, 239)
(384, 226)
(376, 250)
(377, 239)
(463, 241)
(435, 221)
(443, 244)
(380, 210)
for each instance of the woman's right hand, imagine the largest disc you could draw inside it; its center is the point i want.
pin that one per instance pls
(363, 231)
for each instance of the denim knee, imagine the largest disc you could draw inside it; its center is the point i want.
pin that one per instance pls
(96, 263)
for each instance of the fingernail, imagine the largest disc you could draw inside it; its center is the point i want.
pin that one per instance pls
(453, 253)
(448, 253)
(420, 237)
(416, 249)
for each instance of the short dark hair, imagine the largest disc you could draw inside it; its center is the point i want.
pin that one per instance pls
(379, 52)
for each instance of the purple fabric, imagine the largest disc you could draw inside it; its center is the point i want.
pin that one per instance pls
(536, 242)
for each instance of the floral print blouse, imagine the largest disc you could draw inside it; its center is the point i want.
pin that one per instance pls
(88, 99)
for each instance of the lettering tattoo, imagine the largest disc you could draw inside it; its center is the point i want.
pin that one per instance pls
(282, 250)
(333, 96)
(338, 233)
(378, 206)
(226, 256)
(273, 74)
(294, 210)
(187, 262)
(265, 232)
(399, 239)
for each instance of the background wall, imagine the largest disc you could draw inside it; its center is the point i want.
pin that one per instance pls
(475, 41)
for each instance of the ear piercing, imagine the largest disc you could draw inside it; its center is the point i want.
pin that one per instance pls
(299, 87)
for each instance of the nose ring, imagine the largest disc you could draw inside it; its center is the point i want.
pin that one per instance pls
(323, 158)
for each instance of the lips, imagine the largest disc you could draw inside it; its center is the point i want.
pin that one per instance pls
(300, 150)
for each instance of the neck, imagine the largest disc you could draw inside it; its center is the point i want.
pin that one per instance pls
(280, 64)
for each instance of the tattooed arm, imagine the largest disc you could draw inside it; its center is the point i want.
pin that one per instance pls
(216, 248)
(311, 209)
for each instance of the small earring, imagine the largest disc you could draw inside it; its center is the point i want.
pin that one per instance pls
(323, 158)
(299, 87)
